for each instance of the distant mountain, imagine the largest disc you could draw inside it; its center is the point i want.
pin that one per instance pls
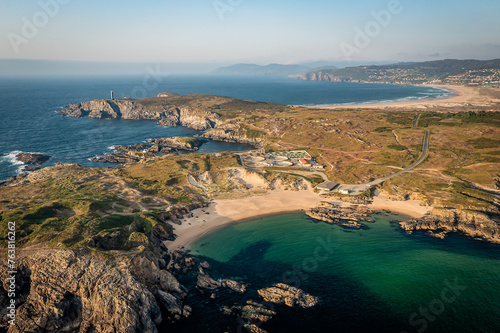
(272, 69)
(438, 71)
(321, 64)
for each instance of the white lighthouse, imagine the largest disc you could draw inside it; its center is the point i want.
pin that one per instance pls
(112, 95)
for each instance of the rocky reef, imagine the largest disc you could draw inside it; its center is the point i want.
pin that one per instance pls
(33, 161)
(350, 217)
(154, 147)
(283, 293)
(205, 281)
(442, 221)
(252, 315)
(28, 158)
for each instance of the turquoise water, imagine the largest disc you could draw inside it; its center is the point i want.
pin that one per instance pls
(374, 280)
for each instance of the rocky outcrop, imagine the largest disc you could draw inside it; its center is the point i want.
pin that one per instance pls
(205, 281)
(176, 214)
(154, 147)
(192, 111)
(228, 135)
(344, 216)
(117, 157)
(29, 168)
(165, 113)
(74, 291)
(28, 158)
(137, 148)
(283, 293)
(440, 222)
(15, 180)
(251, 312)
(179, 143)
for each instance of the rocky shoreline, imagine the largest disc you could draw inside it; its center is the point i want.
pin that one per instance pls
(441, 222)
(33, 160)
(171, 110)
(153, 148)
(347, 217)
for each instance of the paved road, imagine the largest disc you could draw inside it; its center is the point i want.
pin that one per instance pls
(357, 189)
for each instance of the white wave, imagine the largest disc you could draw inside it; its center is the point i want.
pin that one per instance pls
(19, 170)
(111, 148)
(443, 93)
(11, 157)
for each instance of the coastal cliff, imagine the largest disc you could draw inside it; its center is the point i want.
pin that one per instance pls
(74, 291)
(168, 114)
(198, 112)
(443, 221)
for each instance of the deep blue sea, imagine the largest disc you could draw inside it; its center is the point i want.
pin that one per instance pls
(29, 123)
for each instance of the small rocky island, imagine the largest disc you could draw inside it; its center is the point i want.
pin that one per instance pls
(28, 158)
(348, 217)
(31, 159)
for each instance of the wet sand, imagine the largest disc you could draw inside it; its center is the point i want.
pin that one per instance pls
(462, 95)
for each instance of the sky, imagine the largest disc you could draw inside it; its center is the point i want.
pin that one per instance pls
(223, 32)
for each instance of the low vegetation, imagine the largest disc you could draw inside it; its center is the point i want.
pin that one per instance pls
(67, 205)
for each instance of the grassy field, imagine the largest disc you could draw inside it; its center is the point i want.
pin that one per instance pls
(67, 205)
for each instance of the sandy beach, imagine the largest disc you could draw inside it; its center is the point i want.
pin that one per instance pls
(224, 212)
(462, 95)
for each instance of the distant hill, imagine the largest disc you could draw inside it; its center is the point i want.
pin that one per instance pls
(272, 69)
(439, 71)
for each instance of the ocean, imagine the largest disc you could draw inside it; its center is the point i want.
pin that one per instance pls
(373, 280)
(29, 122)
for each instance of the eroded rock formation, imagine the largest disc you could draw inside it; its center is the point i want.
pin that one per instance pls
(283, 293)
(29, 158)
(75, 291)
(343, 216)
(442, 221)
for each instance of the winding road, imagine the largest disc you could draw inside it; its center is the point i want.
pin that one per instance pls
(356, 189)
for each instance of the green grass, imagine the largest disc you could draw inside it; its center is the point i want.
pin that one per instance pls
(458, 119)
(484, 143)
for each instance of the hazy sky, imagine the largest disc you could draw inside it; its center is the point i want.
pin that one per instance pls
(257, 31)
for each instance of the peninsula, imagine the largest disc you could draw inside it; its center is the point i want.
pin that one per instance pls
(124, 225)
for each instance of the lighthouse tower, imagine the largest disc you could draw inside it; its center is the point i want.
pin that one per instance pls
(112, 95)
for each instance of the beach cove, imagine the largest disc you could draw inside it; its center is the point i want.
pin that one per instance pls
(221, 213)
